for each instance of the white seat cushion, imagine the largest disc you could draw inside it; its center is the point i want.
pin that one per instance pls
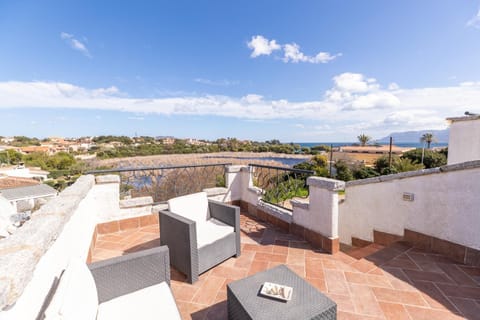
(76, 295)
(210, 231)
(193, 206)
(154, 302)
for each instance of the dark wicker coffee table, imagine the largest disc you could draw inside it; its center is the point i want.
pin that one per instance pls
(245, 302)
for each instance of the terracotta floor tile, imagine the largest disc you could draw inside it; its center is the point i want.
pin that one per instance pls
(434, 297)
(208, 292)
(365, 301)
(394, 311)
(342, 315)
(330, 264)
(245, 260)
(403, 262)
(262, 256)
(468, 308)
(273, 264)
(296, 259)
(418, 313)
(460, 292)
(336, 282)
(218, 311)
(258, 266)
(229, 272)
(184, 293)
(221, 295)
(344, 302)
(457, 274)
(258, 248)
(416, 275)
(363, 265)
(299, 270)
(318, 283)
(356, 277)
(397, 296)
(314, 269)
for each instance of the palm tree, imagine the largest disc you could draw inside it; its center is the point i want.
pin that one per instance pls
(428, 138)
(363, 139)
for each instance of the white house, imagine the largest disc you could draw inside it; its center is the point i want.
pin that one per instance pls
(464, 141)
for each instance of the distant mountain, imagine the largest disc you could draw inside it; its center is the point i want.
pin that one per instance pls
(414, 136)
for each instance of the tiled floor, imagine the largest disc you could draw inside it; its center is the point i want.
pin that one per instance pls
(397, 282)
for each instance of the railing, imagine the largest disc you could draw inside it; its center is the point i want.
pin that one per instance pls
(280, 185)
(166, 182)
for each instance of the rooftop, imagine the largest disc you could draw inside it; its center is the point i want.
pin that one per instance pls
(374, 282)
(15, 182)
(35, 191)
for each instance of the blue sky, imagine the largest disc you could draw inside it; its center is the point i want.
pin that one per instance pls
(294, 71)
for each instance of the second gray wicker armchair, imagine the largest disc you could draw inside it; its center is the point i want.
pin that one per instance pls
(200, 233)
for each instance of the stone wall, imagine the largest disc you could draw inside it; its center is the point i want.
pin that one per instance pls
(21, 252)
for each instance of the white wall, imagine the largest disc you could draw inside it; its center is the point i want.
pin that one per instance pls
(446, 205)
(322, 212)
(464, 141)
(73, 242)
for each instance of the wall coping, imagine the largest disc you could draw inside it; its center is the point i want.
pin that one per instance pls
(280, 213)
(234, 168)
(303, 204)
(20, 252)
(110, 178)
(403, 175)
(217, 191)
(326, 183)
(465, 118)
(136, 202)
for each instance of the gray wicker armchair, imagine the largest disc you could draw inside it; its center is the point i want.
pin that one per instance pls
(132, 286)
(200, 233)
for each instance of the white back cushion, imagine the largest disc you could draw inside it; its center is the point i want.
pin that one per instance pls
(76, 295)
(193, 206)
(211, 231)
(154, 302)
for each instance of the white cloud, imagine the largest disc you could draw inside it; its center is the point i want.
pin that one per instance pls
(252, 98)
(355, 102)
(75, 43)
(136, 118)
(354, 82)
(475, 21)
(262, 46)
(291, 51)
(293, 54)
(393, 86)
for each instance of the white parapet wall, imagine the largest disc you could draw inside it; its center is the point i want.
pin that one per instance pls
(62, 229)
(441, 202)
(464, 142)
(321, 214)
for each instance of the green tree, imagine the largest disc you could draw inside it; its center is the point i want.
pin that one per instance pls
(363, 139)
(405, 164)
(431, 159)
(343, 171)
(364, 172)
(428, 138)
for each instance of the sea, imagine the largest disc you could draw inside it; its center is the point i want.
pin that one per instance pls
(398, 144)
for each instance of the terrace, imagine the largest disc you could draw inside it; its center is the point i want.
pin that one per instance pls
(375, 282)
(402, 246)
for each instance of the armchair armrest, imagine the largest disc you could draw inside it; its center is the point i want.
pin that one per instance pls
(226, 213)
(122, 275)
(180, 235)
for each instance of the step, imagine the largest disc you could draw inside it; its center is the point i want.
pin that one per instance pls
(359, 253)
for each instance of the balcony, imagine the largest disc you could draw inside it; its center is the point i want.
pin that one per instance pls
(396, 273)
